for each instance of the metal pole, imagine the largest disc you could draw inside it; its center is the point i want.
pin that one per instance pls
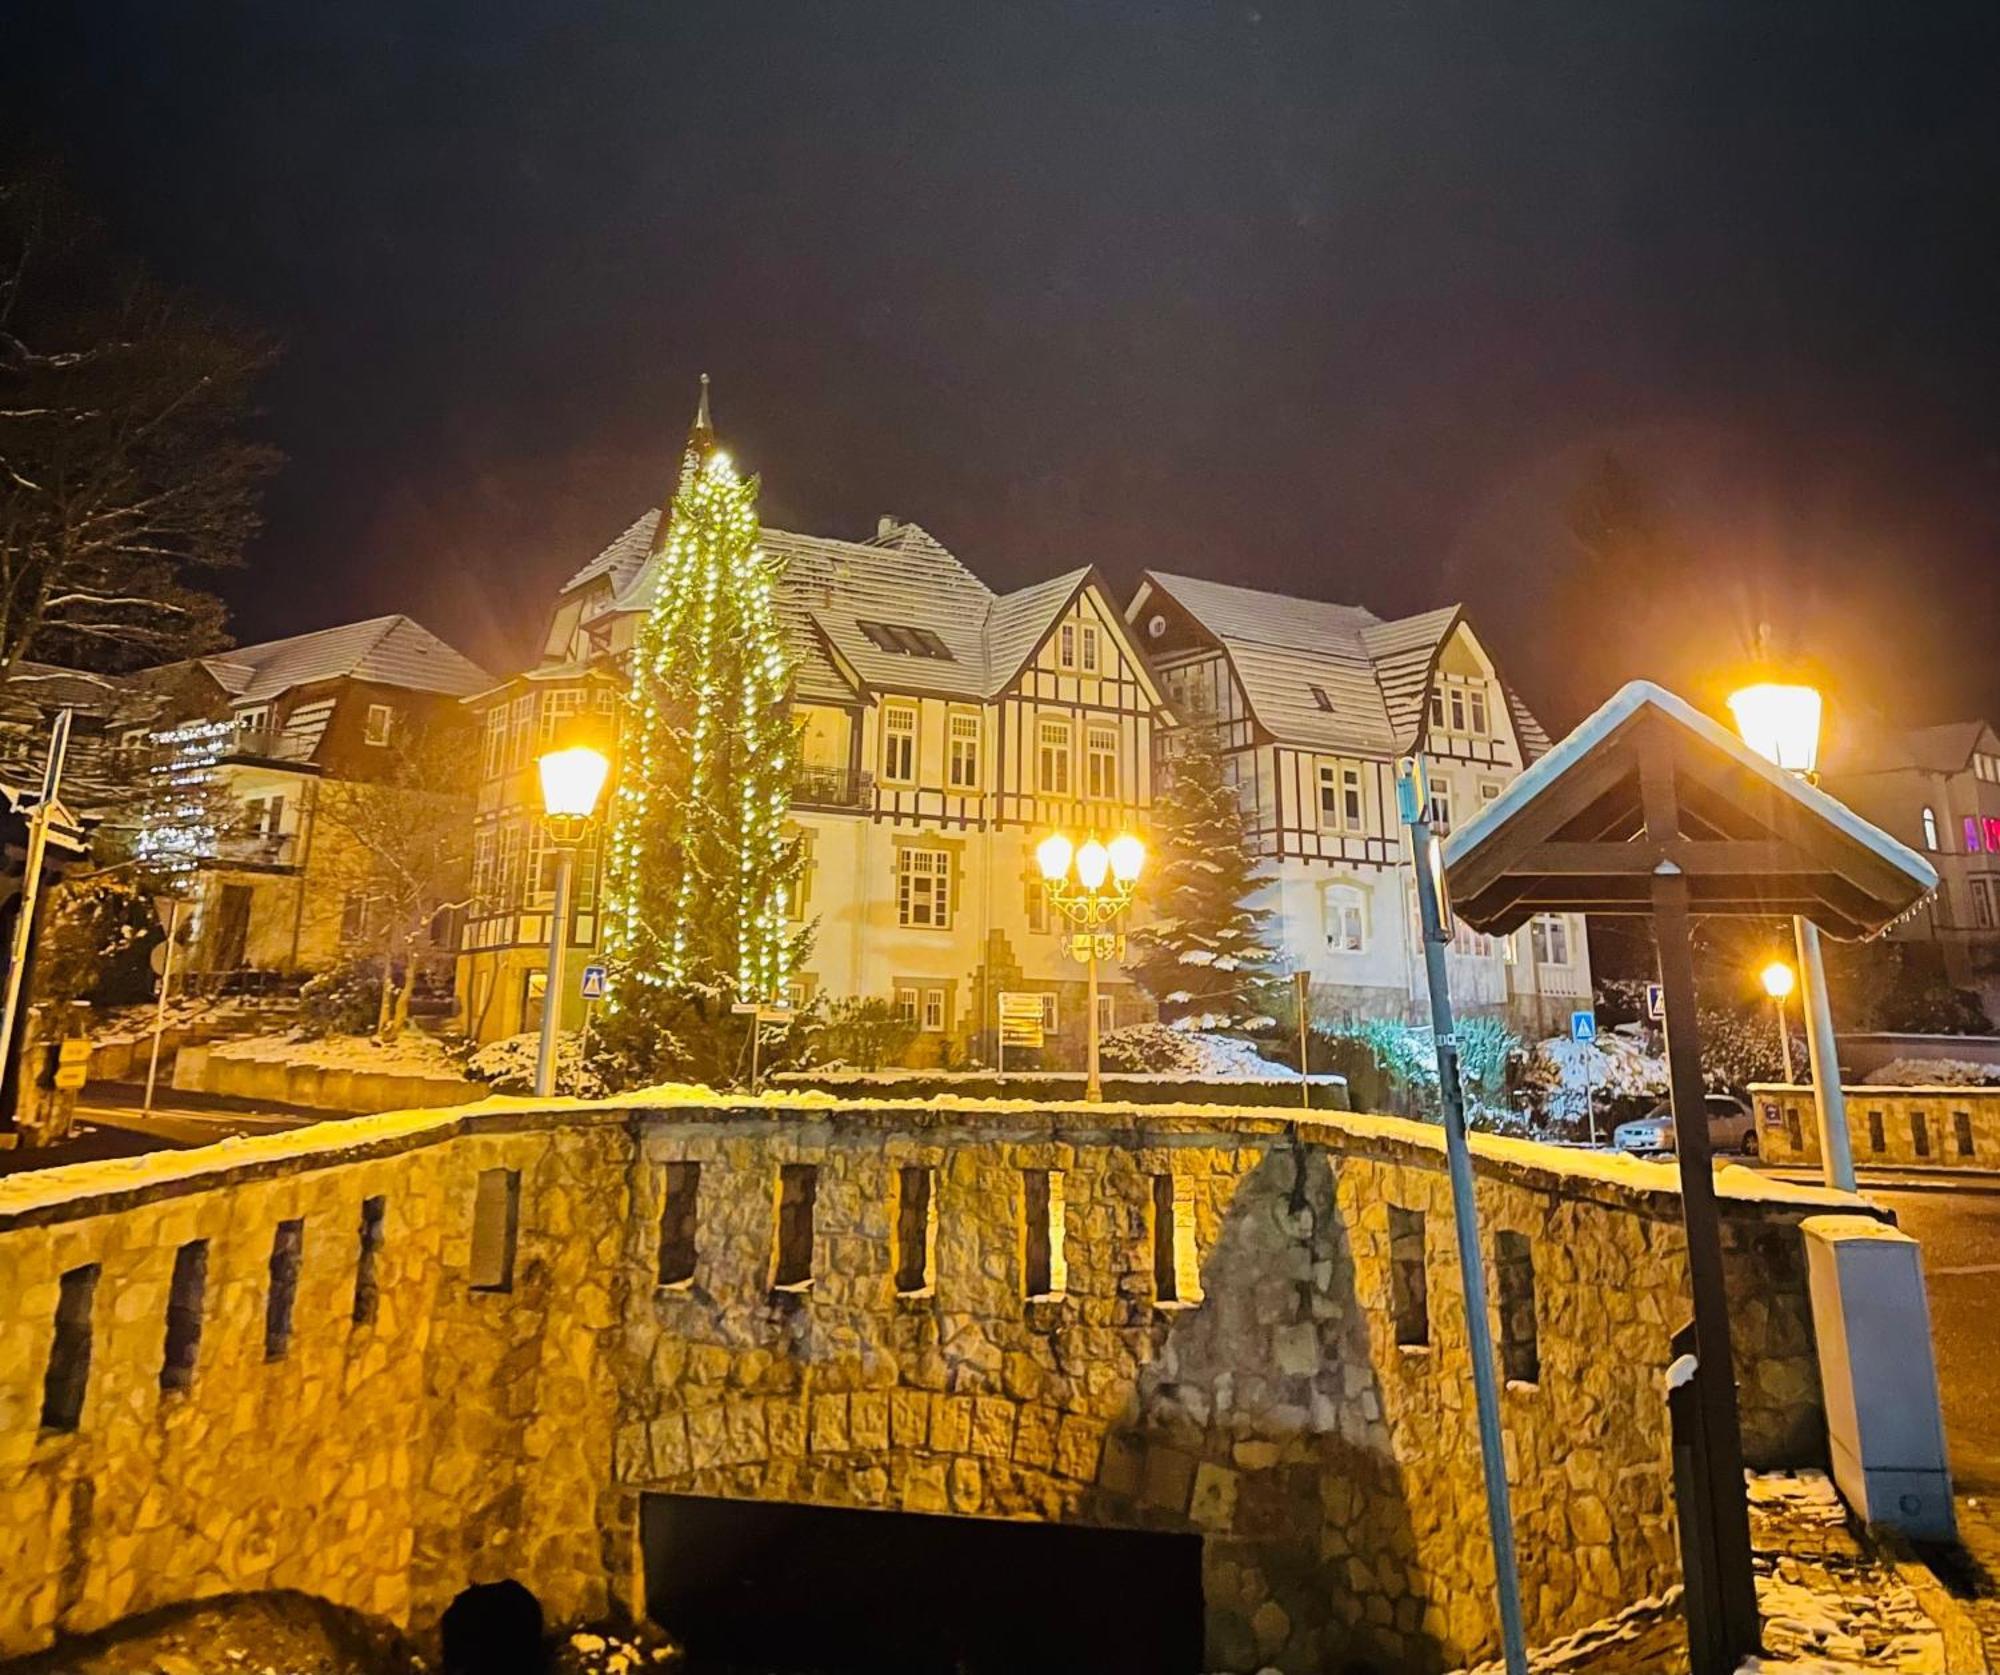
(1829, 1100)
(1784, 1037)
(583, 1049)
(160, 1011)
(756, 1040)
(1302, 987)
(1465, 1222)
(1093, 1088)
(545, 1059)
(1590, 1090)
(31, 884)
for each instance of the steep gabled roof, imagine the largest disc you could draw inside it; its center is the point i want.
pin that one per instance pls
(1874, 747)
(387, 650)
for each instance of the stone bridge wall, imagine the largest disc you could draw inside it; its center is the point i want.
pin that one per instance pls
(458, 1429)
(1926, 1128)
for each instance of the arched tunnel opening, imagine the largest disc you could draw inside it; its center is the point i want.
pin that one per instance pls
(783, 1589)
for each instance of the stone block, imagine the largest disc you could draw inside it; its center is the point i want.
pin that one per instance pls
(868, 1420)
(909, 1418)
(993, 1427)
(829, 1425)
(1077, 1448)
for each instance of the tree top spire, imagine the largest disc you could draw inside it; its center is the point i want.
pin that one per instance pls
(700, 449)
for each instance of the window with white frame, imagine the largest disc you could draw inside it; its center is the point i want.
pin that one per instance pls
(962, 750)
(380, 722)
(899, 744)
(255, 719)
(507, 879)
(495, 759)
(1107, 1014)
(544, 864)
(933, 1022)
(1440, 806)
(907, 1003)
(559, 706)
(1489, 791)
(1982, 903)
(482, 869)
(1049, 1011)
(923, 888)
(1930, 829)
(1052, 763)
(1100, 762)
(1087, 653)
(1345, 911)
(1548, 936)
(1343, 804)
(1066, 646)
(521, 732)
(1038, 906)
(1459, 706)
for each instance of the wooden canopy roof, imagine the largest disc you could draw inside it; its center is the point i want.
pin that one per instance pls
(1648, 785)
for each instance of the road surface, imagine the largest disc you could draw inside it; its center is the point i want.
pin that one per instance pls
(111, 1123)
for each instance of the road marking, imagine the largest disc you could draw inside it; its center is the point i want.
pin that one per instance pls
(1965, 1268)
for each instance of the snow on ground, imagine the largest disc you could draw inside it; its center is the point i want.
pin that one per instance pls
(1934, 1073)
(413, 1053)
(1228, 1055)
(1616, 1065)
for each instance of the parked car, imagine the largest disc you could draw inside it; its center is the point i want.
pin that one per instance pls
(1732, 1127)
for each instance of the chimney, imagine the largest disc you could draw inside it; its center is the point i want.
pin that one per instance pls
(887, 525)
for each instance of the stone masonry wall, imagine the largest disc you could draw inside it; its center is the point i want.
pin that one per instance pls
(466, 1431)
(1930, 1128)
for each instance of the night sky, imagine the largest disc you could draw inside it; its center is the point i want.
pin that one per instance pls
(1340, 299)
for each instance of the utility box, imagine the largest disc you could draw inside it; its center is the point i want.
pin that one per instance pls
(1884, 1426)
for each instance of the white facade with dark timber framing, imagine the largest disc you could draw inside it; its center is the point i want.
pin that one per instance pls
(1316, 703)
(945, 729)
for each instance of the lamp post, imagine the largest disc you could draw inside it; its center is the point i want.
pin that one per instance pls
(1778, 980)
(572, 779)
(1781, 723)
(1090, 885)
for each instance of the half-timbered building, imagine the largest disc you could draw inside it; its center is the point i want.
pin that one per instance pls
(944, 730)
(1316, 703)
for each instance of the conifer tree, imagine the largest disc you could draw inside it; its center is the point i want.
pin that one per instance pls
(699, 871)
(1200, 954)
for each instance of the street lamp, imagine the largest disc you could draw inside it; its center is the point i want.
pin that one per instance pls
(1778, 980)
(572, 781)
(1781, 723)
(1090, 885)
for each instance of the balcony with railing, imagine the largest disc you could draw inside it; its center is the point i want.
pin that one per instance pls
(256, 849)
(833, 788)
(271, 744)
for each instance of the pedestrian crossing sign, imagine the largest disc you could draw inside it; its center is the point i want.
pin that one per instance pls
(1583, 1026)
(593, 982)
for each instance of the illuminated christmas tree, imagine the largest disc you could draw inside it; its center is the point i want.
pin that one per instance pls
(700, 873)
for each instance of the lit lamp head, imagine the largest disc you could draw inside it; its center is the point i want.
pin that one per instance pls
(1093, 861)
(572, 781)
(1128, 855)
(1777, 979)
(1052, 855)
(1780, 723)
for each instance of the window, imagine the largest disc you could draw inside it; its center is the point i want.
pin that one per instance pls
(906, 641)
(1100, 757)
(185, 1295)
(791, 1263)
(1049, 1012)
(1437, 710)
(1961, 1133)
(1053, 764)
(1045, 1269)
(381, 719)
(255, 719)
(1342, 803)
(496, 1229)
(367, 1282)
(1520, 1348)
(1549, 937)
(1982, 903)
(1344, 908)
(916, 1231)
(923, 888)
(1087, 646)
(962, 758)
(507, 879)
(1455, 708)
(1038, 906)
(559, 707)
(1319, 697)
(1920, 1133)
(906, 1005)
(679, 1201)
(353, 917)
(1930, 829)
(1475, 704)
(287, 1252)
(1409, 1292)
(1066, 646)
(933, 1020)
(494, 761)
(1441, 806)
(521, 732)
(1971, 835)
(1107, 1014)
(68, 1374)
(1878, 1141)
(899, 744)
(544, 867)
(1489, 791)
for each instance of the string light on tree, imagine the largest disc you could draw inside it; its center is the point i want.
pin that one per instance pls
(700, 871)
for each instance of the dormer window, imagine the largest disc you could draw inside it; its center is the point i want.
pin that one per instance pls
(380, 723)
(906, 641)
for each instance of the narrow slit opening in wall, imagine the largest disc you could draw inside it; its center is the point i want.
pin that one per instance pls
(1920, 1133)
(916, 1231)
(68, 1373)
(1520, 1340)
(496, 1227)
(1409, 1287)
(680, 1202)
(1044, 1268)
(287, 1253)
(1878, 1140)
(1961, 1132)
(185, 1295)
(367, 1282)
(791, 1265)
(1166, 1282)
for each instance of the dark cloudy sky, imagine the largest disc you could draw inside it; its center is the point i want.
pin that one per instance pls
(1338, 298)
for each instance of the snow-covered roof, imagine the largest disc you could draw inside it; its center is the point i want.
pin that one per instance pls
(1944, 749)
(387, 650)
(1627, 704)
(829, 591)
(1375, 673)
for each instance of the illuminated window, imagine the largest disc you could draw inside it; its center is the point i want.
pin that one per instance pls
(1053, 762)
(962, 763)
(899, 744)
(1930, 829)
(1345, 911)
(1100, 762)
(1993, 834)
(521, 732)
(557, 708)
(1971, 835)
(923, 888)
(495, 758)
